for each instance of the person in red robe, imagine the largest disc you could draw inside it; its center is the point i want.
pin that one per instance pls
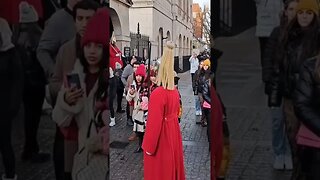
(162, 144)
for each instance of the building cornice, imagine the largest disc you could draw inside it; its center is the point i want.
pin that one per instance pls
(127, 3)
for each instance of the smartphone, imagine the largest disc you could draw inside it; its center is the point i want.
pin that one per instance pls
(73, 81)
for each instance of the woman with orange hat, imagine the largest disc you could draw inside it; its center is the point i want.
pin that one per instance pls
(299, 43)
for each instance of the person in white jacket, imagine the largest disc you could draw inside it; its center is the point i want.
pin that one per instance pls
(194, 64)
(268, 17)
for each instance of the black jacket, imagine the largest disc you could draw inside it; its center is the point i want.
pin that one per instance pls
(204, 85)
(269, 57)
(307, 97)
(286, 72)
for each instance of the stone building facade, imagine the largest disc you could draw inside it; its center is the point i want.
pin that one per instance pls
(164, 20)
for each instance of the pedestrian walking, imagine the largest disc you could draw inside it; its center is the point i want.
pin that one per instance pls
(280, 144)
(11, 76)
(297, 45)
(27, 35)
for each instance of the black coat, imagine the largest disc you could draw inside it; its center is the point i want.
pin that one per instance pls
(307, 97)
(268, 60)
(204, 85)
(11, 79)
(286, 72)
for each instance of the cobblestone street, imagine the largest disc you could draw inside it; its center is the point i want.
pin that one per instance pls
(238, 82)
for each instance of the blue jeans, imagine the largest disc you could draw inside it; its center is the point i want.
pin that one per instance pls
(280, 142)
(197, 103)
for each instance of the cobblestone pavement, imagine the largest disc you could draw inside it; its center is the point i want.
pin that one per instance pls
(239, 83)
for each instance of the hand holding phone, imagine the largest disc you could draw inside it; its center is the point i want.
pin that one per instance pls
(74, 90)
(73, 81)
(72, 96)
(132, 89)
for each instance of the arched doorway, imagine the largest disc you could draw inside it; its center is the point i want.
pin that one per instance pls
(184, 46)
(187, 47)
(116, 25)
(180, 48)
(168, 36)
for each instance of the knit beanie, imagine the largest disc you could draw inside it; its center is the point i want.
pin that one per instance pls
(141, 71)
(27, 13)
(97, 30)
(308, 5)
(207, 62)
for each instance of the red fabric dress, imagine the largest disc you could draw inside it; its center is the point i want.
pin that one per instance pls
(163, 137)
(217, 133)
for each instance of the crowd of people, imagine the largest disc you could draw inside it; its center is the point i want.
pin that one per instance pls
(81, 73)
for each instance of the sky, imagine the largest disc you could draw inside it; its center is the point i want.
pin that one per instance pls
(202, 2)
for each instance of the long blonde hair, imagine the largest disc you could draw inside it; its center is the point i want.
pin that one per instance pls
(165, 76)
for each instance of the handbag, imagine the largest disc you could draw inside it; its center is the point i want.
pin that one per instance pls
(88, 162)
(306, 137)
(206, 105)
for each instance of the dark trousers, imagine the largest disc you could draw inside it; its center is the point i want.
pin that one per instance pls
(140, 136)
(58, 153)
(6, 149)
(192, 77)
(310, 162)
(263, 42)
(112, 95)
(120, 92)
(33, 101)
(207, 115)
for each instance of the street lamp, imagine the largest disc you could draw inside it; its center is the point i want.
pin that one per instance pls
(163, 38)
(138, 37)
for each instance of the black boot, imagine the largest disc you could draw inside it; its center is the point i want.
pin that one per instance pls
(120, 110)
(139, 149)
(129, 121)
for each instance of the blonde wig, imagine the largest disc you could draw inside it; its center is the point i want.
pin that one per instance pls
(165, 76)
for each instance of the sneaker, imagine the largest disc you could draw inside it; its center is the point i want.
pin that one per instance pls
(200, 113)
(113, 122)
(278, 163)
(288, 162)
(197, 113)
(5, 178)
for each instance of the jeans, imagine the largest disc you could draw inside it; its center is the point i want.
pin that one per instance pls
(197, 103)
(280, 142)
